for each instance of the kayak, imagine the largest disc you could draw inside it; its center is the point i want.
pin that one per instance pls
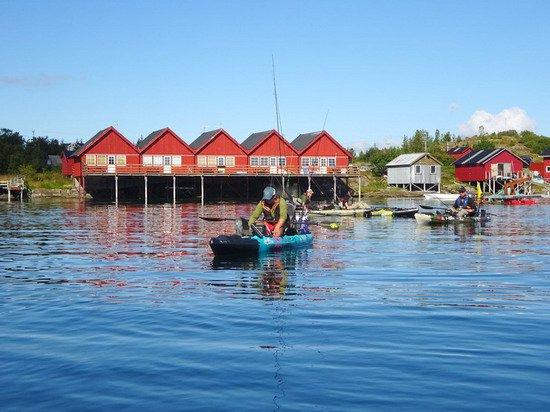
(394, 212)
(248, 245)
(429, 219)
(341, 212)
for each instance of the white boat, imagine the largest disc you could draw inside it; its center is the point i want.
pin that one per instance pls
(444, 197)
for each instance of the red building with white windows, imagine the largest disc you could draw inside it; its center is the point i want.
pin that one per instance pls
(269, 152)
(482, 165)
(163, 151)
(321, 153)
(543, 168)
(217, 150)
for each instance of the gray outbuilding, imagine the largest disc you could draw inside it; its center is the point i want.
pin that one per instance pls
(415, 171)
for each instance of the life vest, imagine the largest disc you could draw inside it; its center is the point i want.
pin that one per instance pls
(462, 202)
(271, 214)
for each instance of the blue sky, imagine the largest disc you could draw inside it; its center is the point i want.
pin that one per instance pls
(370, 71)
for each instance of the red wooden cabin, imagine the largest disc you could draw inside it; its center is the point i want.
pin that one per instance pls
(321, 153)
(106, 152)
(216, 151)
(458, 152)
(269, 152)
(164, 152)
(543, 168)
(481, 165)
(67, 162)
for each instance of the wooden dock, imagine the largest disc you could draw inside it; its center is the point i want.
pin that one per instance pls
(14, 186)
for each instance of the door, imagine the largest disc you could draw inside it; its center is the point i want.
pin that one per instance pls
(111, 164)
(167, 162)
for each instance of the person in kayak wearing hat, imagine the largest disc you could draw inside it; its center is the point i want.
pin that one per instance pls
(305, 200)
(274, 210)
(464, 205)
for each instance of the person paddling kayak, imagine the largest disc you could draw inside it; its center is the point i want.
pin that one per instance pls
(274, 210)
(464, 205)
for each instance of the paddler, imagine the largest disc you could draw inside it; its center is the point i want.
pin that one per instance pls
(464, 205)
(274, 210)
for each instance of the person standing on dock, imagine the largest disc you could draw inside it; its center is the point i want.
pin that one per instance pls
(464, 205)
(274, 210)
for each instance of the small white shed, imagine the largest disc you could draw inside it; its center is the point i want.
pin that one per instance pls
(415, 171)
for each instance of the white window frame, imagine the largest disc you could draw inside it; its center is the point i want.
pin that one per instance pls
(433, 169)
(212, 161)
(176, 160)
(254, 161)
(417, 169)
(101, 160)
(282, 161)
(547, 169)
(167, 160)
(157, 160)
(272, 161)
(314, 162)
(230, 161)
(147, 160)
(90, 160)
(220, 161)
(264, 161)
(305, 161)
(202, 161)
(111, 160)
(323, 162)
(332, 162)
(121, 160)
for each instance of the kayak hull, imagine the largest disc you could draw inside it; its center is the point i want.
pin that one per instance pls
(394, 212)
(341, 212)
(427, 219)
(244, 245)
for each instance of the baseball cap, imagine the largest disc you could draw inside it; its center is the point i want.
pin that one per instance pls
(269, 192)
(462, 189)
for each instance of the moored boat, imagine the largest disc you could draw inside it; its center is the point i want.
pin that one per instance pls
(394, 212)
(444, 219)
(248, 245)
(341, 212)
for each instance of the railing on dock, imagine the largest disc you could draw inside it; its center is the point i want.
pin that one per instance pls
(14, 184)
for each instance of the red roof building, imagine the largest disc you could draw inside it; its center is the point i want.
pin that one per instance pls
(216, 149)
(458, 152)
(106, 152)
(269, 151)
(67, 162)
(321, 153)
(481, 165)
(163, 151)
(543, 168)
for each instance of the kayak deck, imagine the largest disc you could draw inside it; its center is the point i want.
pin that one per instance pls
(246, 245)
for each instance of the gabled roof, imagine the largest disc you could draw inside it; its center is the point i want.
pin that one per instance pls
(480, 157)
(409, 159)
(254, 139)
(98, 136)
(546, 152)
(203, 139)
(458, 150)
(303, 141)
(149, 140)
(67, 153)
(53, 160)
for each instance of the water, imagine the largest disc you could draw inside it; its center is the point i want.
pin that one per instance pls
(124, 308)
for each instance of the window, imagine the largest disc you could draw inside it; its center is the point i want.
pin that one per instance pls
(547, 169)
(201, 161)
(121, 160)
(101, 160)
(176, 160)
(90, 160)
(305, 161)
(111, 160)
(432, 169)
(282, 161)
(417, 169)
(230, 161)
(147, 160)
(254, 161)
(157, 160)
(332, 161)
(323, 162)
(167, 160)
(272, 161)
(212, 161)
(264, 161)
(221, 161)
(315, 161)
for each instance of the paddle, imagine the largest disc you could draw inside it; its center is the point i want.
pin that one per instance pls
(330, 225)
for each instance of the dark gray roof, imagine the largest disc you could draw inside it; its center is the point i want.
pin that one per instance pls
(85, 145)
(203, 138)
(141, 144)
(477, 157)
(457, 150)
(53, 160)
(546, 152)
(68, 153)
(254, 139)
(302, 141)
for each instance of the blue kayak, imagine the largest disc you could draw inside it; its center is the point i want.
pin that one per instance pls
(247, 245)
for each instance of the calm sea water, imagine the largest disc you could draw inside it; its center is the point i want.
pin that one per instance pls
(125, 308)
